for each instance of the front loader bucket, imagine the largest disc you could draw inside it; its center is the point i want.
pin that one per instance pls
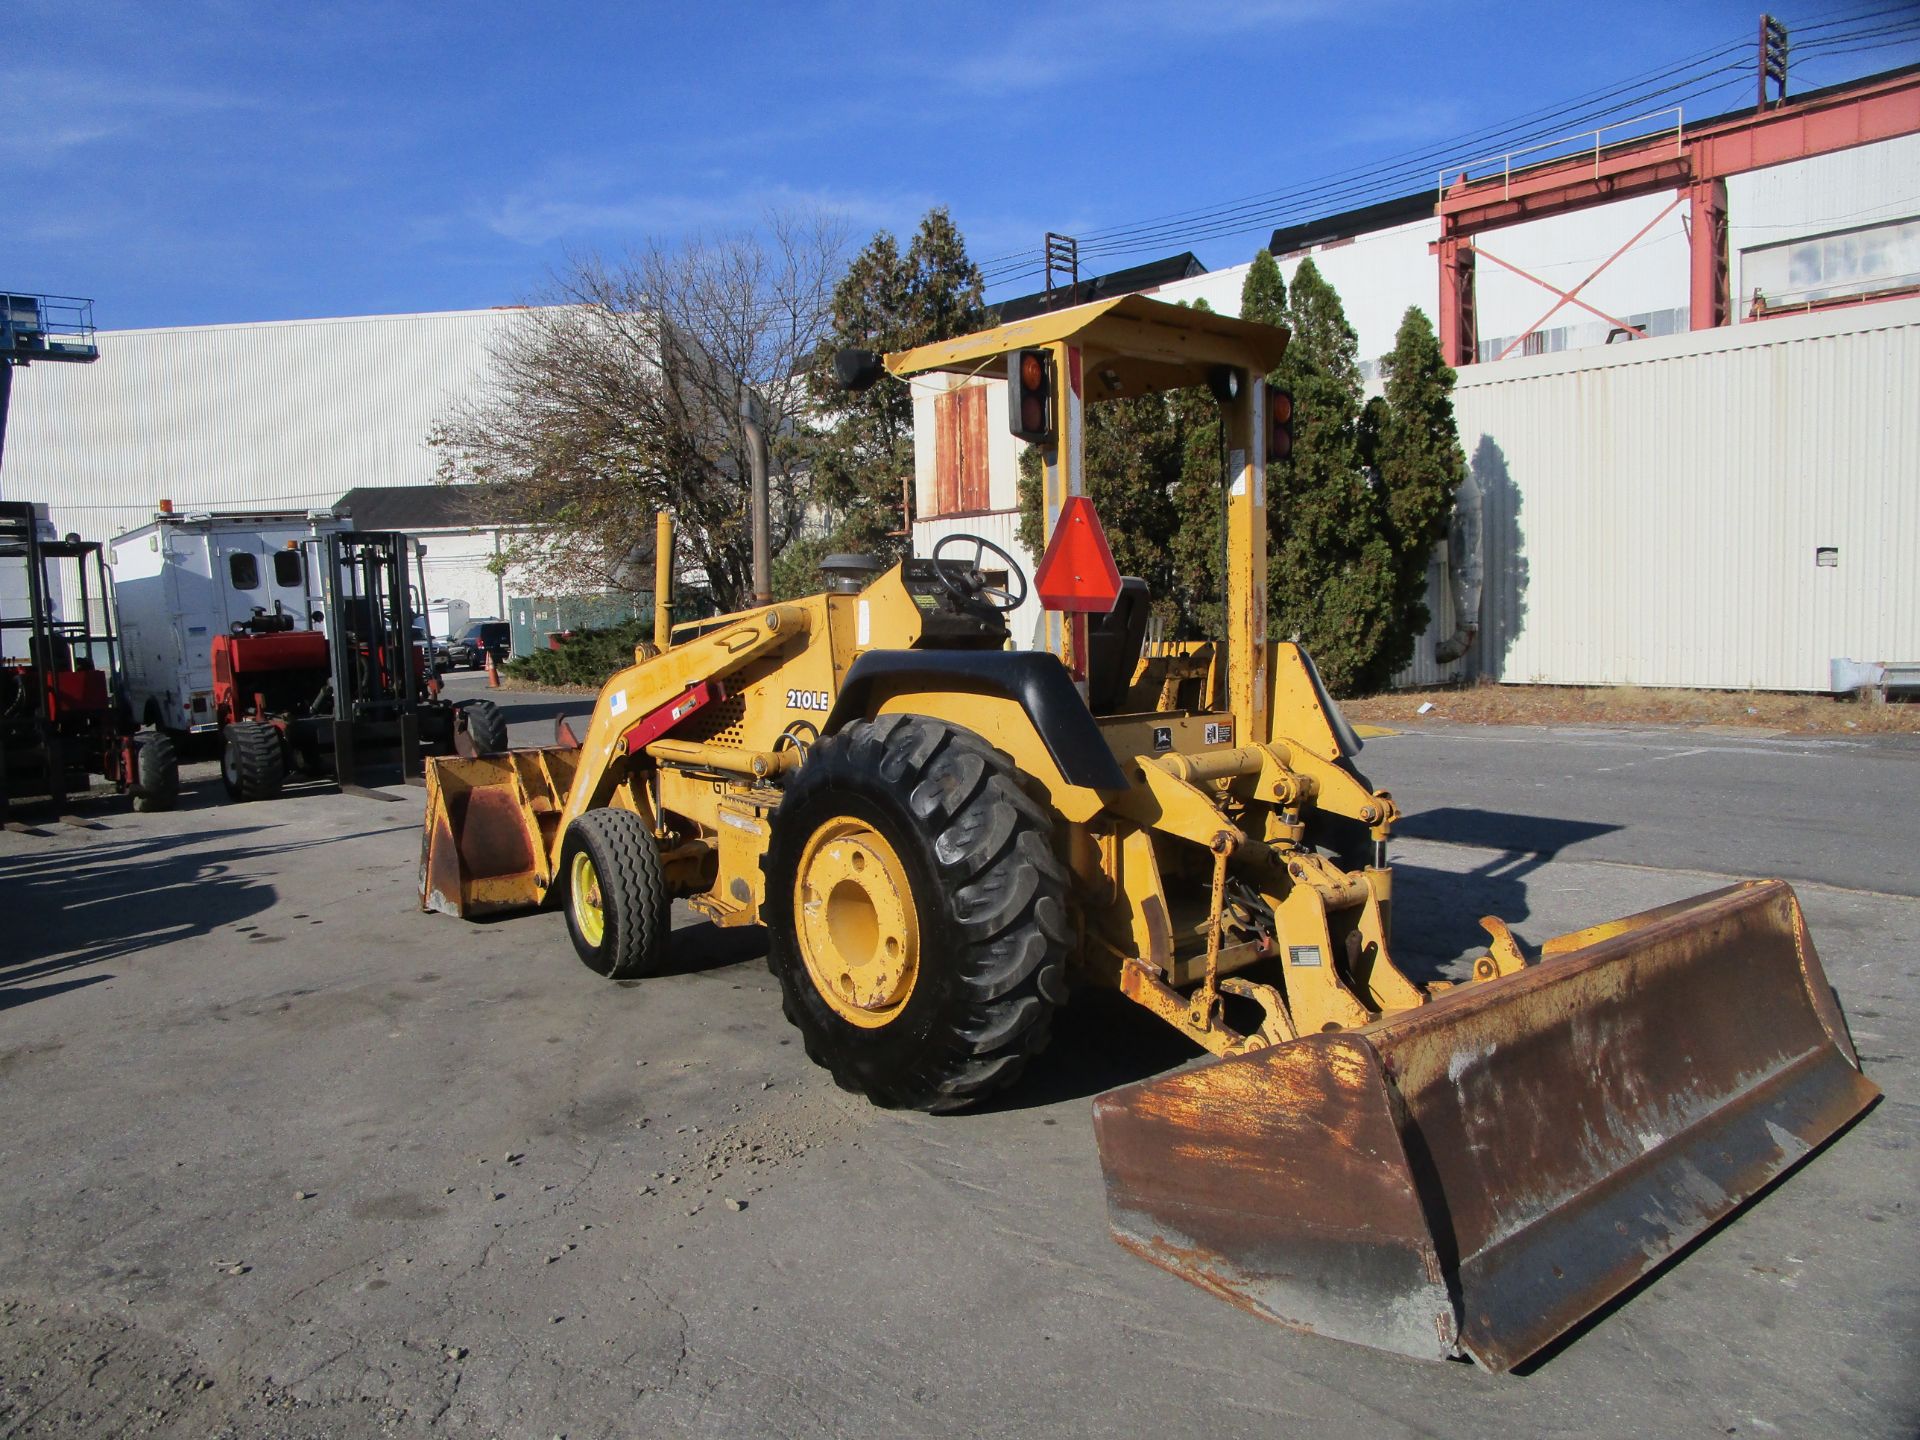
(1477, 1175)
(489, 832)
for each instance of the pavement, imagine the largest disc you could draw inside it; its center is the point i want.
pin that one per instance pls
(285, 1157)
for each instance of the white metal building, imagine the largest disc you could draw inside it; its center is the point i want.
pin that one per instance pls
(1622, 426)
(288, 414)
(1733, 508)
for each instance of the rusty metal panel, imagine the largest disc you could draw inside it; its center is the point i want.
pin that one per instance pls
(1478, 1175)
(960, 451)
(1280, 1182)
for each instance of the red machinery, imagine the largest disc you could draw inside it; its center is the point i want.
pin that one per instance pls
(61, 716)
(325, 700)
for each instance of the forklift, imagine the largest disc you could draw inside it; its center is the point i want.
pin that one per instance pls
(63, 711)
(357, 688)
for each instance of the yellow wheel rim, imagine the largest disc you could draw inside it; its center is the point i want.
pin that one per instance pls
(589, 913)
(856, 923)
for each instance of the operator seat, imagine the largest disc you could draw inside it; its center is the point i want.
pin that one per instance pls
(1113, 646)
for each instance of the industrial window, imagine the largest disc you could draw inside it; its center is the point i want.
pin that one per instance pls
(960, 484)
(288, 572)
(243, 570)
(1866, 261)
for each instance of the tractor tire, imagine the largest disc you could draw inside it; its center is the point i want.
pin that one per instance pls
(486, 726)
(253, 761)
(917, 914)
(156, 769)
(615, 894)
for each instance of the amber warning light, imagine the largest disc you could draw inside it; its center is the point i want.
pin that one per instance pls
(1030, 395)
(1280, 421)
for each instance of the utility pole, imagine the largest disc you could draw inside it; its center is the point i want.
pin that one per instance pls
(1063, 254)
(756, 438)
(1773, 59)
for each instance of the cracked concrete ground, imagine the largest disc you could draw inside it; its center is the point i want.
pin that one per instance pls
(284, 1157)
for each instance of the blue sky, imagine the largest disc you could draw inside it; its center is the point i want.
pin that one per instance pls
(202, 161)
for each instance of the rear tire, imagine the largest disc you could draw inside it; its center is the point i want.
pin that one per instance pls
(156, 770)
(615, 893)
(253, 761)
(486, 726)
(953, 1010)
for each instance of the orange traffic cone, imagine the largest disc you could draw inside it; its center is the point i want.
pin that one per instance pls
(493, 675)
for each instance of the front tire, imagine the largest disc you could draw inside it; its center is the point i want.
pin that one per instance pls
(253, 761)
(486, 726)
(616, 894)
(156, 774)
(918, 914)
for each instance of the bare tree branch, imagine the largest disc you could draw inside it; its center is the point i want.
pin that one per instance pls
(619, 394)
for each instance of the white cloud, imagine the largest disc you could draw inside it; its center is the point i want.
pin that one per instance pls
(47, 113)
(542, 214)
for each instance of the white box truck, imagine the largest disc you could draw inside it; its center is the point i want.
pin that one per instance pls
(182, 579)
(447, 618)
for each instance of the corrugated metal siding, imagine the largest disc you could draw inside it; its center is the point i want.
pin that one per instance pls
(231, 416)
(1424, 669)
(1653, 510)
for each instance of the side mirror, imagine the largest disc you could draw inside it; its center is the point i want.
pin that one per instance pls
(856, 370)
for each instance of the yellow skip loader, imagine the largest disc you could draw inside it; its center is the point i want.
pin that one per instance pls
(943, 836)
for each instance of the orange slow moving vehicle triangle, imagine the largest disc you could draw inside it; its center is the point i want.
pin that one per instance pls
(1077, 572)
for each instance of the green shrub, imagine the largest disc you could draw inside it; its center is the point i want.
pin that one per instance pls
(587, 657)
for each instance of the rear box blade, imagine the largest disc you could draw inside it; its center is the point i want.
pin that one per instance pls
(1477, 1176)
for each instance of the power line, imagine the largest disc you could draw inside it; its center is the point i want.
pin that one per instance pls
(1396, 169)
(1688, 82)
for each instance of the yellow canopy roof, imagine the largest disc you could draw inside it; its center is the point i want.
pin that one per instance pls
(1130, 345)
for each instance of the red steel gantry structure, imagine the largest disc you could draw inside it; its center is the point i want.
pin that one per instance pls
(1694, 163)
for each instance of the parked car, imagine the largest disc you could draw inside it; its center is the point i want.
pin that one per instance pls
(469, 650)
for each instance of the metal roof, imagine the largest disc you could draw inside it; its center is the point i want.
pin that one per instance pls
(1142, 345)
(1134, 278)
(426, 507)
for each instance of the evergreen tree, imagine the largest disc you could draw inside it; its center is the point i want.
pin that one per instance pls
(1419, 464)
(1263, 294)
(1330, 569)
(887, 301)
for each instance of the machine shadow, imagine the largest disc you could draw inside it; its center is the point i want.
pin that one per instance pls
(1436, 912)
(703, 946)
(76, 908)
(1101, 1040)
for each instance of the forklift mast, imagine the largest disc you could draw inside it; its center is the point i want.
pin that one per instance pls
(371, 606)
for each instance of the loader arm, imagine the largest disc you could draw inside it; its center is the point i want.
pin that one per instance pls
(495, 824)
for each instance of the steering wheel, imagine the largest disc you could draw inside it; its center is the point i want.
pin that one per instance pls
(972, 584)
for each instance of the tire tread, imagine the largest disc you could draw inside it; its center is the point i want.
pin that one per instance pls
(1004, 895)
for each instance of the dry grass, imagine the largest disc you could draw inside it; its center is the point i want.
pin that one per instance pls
(1631, 705)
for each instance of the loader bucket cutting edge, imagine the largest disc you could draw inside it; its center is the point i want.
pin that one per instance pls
(1478, 1175)
(488, 823)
